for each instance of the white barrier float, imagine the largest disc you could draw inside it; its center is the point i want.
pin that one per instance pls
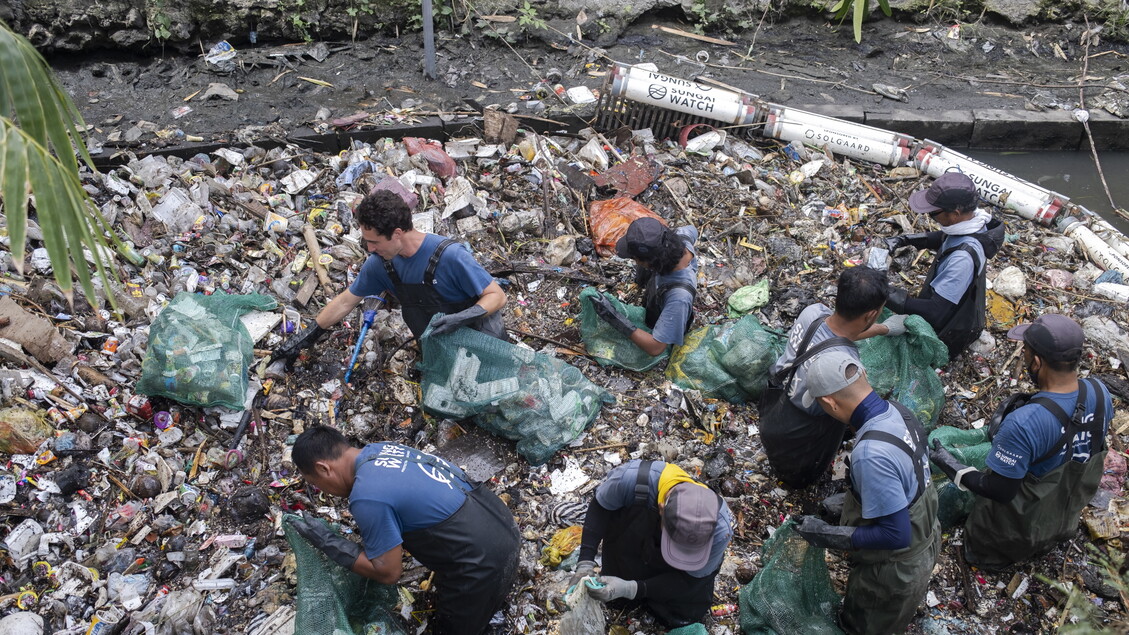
(692, 98)
(853, 140)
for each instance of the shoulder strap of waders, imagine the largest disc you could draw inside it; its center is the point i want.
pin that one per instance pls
(677, 284)
(1069, 424)
(803, 353)
(643, 483)
(433, 263)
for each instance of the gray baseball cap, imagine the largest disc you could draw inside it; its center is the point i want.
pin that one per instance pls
(950, 191)
(1052, 336)
(827, 374)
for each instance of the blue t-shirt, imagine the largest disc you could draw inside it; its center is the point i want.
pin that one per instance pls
(1031, 431)
(458, 277)
(955, 272)
(882, 474)
(670, 328)
(393, 495)
(795, 337)
(618, 492)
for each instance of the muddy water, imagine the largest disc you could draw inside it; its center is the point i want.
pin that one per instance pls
(1071, 174)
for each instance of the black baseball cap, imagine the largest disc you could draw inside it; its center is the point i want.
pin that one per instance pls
(642, 240)
(951, 191)
(1053, 337)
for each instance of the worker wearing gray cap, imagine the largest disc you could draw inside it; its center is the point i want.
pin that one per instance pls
(889, 519)
(1047, 454)
(953, 297)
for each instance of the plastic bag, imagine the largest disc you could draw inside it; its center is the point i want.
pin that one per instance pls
(585, 614)
(793, 592)
(199, 350)
(608, 345)
(440, 163)
(22, 430)
(511, 391)
(332, 600)
(903, 368)
(727, 361)
(563, 543)
(748, 299)
(610, 219)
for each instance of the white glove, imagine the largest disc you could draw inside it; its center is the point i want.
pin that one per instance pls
(896, 324)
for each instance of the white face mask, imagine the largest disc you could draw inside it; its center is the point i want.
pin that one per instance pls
(979, 219)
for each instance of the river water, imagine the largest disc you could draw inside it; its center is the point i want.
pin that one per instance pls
(1071, 174)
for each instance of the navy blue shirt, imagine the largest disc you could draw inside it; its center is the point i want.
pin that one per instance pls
(458, 276)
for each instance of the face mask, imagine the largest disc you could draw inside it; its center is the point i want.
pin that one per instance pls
(1032, 373)
(979, 219)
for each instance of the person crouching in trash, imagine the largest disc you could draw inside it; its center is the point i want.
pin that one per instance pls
(1047, 457)
(888, 522)
(403, 499)
(667, 269)
(664, 536)
(953, 297)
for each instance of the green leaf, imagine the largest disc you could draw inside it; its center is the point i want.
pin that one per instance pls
(839, 6)
(14, 188)
(885, 6)
(860, 11)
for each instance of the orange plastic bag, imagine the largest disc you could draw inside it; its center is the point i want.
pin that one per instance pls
(441, 163)
(609, 221)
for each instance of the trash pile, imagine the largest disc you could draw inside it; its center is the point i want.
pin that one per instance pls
(138, 502)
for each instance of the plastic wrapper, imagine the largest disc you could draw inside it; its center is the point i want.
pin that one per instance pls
(585, 614)
(563, 543)
(608, 345)
(440, 163)
(199, 350)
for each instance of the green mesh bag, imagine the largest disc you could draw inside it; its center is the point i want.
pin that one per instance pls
(332, 600)
(689, 629)
(199, 350)
(728, 361)
(792, 593)
(511, 391)
(902, 368)
(608, 345)
(970, 447)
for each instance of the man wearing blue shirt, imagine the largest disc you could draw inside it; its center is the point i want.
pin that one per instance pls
(403, 499)
(1047, 456)
(664, 536)
(953, 297)
(889, 519)
(667, 269)
(427, 273)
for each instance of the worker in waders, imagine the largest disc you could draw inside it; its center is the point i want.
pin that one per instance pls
(426, 273)
(667, 269)
(889, 519)
(800, 440)
(1047, 457)
(404, 500)
(663, 535)
(953, 297)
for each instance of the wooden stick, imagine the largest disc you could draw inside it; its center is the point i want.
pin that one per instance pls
(692, 36)
(315, 253)
(600, 447)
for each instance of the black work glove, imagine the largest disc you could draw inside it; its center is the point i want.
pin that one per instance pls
(894, 243)
(336, 547)
(819, 533)
(927, 240)
(607, 313)
(831, 508)
(948, 463)
(303, 339)
(452, 322)
(896, 300)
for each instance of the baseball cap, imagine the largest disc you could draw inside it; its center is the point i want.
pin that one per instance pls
(642, 240)
(1053, 337)
(689, 520)
(950, 191)
(827, 375)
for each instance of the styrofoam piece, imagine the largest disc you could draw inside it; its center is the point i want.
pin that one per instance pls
(23, 540)
(259, 323)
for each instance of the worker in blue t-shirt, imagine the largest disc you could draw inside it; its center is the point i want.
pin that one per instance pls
(405, 500)
(1047, 455)
(427, 274)
(667, 269)
(889, 518)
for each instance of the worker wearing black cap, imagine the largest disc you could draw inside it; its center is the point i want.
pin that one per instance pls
(953, 297)
(664, 536)
(667, 269)
(1047, 456)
